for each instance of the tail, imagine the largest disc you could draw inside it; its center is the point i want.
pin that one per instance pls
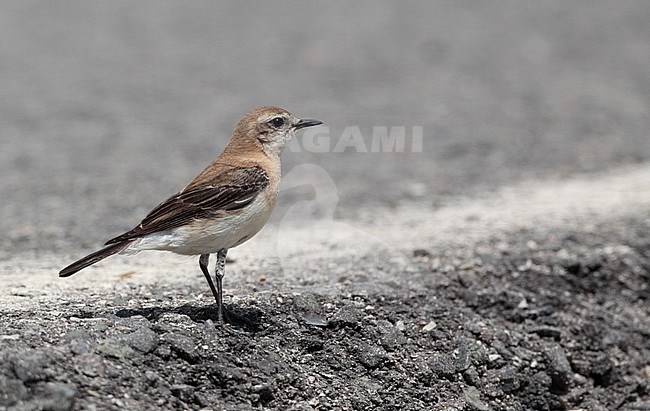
(93, 258)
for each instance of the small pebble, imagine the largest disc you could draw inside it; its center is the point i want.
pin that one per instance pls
(429, 327)
(315, 319)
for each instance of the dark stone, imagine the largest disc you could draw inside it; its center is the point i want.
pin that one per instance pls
(223, 375)
(559, 368)
(443, 365)
(548, 332)
(144, 340)
(572, 266)
(311, 344)
(183, 346)
(542, 311)
(391, 337)
(596, 365)
(264, 392)
(509, 379)
(471, 376)
(348, 315)
(201, 400)
(183, 392)
(470, 352)
(370, 356)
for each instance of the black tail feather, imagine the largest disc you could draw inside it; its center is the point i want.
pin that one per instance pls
(93, 258)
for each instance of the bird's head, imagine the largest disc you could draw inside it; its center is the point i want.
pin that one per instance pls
(270, 128)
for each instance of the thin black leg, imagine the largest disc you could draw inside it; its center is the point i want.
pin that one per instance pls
(203, 263)
(219, 272)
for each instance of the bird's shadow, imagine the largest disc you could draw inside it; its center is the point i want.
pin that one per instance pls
(248, 318)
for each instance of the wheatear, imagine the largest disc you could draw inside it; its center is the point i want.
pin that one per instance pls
(225, 205)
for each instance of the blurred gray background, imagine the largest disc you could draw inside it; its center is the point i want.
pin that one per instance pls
(109, 107)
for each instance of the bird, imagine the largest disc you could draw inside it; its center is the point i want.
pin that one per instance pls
(225, 205)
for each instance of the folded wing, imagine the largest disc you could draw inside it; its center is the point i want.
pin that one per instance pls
(230, 191)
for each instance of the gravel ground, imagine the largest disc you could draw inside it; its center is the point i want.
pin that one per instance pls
(508, 308)
(504, 267)
(535, 319)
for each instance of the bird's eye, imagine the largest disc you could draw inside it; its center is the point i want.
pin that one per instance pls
(277, 122)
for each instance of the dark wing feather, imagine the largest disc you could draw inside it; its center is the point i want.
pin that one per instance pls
(234, 190)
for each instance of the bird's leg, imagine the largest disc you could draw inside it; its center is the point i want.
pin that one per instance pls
(219, 272)
(203, 263)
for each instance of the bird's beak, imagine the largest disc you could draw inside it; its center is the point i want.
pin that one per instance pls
(307, 122)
